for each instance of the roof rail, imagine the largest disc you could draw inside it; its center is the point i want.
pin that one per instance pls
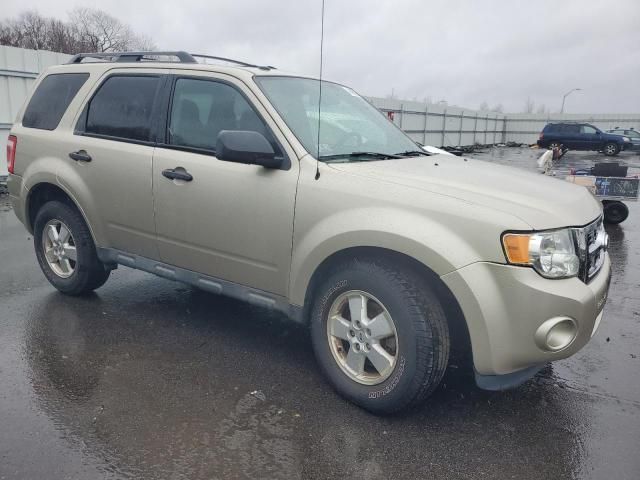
(237, 62)
(183, 57)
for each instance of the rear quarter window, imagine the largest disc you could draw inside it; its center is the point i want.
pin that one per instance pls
(51, 99)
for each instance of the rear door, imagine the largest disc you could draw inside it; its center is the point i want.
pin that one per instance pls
(232, 221)
(112, 172)
(571, 136)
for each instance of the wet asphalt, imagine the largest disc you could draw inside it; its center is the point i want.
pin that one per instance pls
(149, 379)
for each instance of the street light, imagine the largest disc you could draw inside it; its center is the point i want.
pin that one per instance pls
(565, 97)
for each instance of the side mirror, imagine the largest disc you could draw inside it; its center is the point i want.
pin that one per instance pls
(248, 147)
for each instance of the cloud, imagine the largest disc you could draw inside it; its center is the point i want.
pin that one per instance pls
(463, 51)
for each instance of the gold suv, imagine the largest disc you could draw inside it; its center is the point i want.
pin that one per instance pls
(238, 179)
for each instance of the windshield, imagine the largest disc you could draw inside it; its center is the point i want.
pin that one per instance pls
(350, 127)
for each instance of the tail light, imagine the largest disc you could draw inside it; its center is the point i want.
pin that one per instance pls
(12, 142)
(541, 136)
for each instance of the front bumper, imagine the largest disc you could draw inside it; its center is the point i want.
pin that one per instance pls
(504, 305)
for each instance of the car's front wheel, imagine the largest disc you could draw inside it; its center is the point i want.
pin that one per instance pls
(380, 335)
(611, 149)
(65, 250)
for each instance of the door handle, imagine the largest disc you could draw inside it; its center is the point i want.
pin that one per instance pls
(80, 156)
(177, 173)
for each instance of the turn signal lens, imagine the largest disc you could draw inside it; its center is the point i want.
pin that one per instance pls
(516, 246)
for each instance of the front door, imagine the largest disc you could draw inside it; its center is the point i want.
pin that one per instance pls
(590, 137)
(230, 220)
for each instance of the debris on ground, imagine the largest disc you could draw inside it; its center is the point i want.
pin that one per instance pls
(259, 395)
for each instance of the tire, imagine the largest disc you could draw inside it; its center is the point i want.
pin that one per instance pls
(422, 340)
(615, 212)
(72, 277)
(611, 149)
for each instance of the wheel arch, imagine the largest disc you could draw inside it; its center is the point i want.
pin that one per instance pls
(460, 338)
(44, 192)
(619, 146)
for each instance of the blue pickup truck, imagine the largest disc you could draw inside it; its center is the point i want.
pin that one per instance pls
(582, 136)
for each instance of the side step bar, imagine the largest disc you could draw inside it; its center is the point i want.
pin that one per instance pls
(205, 282)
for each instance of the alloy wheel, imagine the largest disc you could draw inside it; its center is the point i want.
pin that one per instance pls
(362, 337)
(59, 248)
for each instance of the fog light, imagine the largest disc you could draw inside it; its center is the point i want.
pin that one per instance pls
(556, 334)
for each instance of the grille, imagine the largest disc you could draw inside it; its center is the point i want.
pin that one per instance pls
(592, 245)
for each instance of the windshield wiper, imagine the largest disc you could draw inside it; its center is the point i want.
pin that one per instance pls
(413, 153)
(360, 156)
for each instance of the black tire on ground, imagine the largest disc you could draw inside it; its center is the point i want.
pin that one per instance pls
(611, 149)
(423, 340)
(89, 272)
(615, 212)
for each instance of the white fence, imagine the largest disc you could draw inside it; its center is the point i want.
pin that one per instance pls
(430, 124)
(525, 128)
(442, 125)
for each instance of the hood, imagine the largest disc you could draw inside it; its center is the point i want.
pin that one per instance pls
(538, 200)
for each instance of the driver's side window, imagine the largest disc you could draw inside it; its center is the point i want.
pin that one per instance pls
(201, 109)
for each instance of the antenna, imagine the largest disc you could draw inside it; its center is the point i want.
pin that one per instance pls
(320, 91)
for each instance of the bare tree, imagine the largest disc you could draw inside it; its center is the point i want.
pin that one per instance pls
(61, 37)
(484, 106)
(88, 30)
(529, 105)
(34, 29)
(100, 32)
(541, 108)
(498, 108)
(8, 34)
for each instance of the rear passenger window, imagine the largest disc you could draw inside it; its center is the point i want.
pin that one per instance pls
(201, 109)
(122, 107)
(51, 99)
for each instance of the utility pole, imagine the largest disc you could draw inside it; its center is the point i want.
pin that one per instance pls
(565, 97)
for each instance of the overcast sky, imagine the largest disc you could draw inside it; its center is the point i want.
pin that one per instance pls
(464, 52)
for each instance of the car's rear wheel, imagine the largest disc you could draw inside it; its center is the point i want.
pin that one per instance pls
(380, 335)
(611, 149)
(615, 212)
(65, 250)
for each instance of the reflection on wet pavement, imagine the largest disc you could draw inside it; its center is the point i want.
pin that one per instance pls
(151, 379)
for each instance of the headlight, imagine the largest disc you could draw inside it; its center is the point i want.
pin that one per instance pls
(552, 254)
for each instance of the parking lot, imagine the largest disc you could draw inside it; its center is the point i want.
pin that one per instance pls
(148, 378)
